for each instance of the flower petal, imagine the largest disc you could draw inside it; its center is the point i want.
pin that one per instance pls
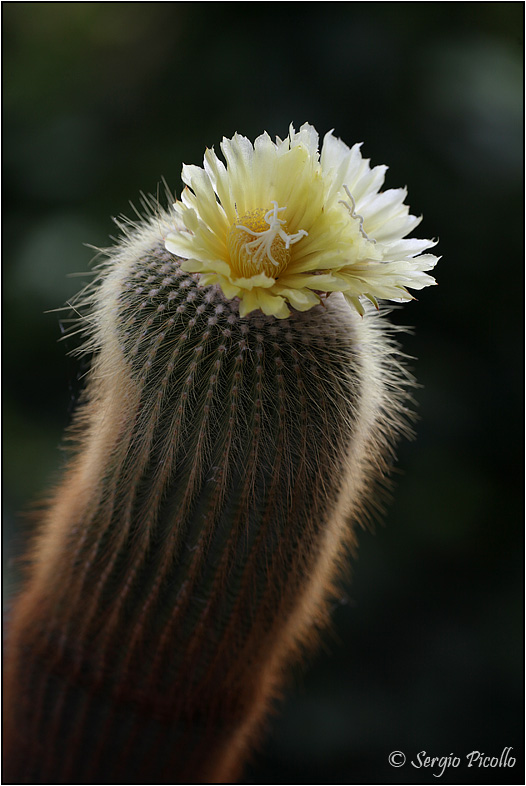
(300, 299)
(272, 305)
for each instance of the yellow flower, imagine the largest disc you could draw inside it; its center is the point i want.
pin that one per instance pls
(280, 225)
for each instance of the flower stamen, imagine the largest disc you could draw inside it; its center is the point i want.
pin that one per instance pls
(354, 214)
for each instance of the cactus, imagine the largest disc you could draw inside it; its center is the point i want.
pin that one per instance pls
(221, 461)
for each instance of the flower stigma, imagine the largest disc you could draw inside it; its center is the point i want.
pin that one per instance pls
(258, 243)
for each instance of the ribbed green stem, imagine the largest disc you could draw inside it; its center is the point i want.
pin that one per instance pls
(193, 545)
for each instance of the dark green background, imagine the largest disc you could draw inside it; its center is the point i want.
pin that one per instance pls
(101, 100)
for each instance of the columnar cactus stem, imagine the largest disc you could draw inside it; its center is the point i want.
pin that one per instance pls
(191, 551)
(240, 418)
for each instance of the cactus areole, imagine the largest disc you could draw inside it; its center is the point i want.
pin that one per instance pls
(245, 398)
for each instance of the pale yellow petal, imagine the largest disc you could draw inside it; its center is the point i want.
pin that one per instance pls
(272, 305)
(300, 299)
(207, 279)
(218, 175)
(230, 290)
(248, 302)
(261, 280)
(355, 303)
(198, 266)
(323, 282)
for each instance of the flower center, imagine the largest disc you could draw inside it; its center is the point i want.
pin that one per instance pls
(258, 243)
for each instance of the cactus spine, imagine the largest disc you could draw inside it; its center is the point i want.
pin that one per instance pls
(221, 464)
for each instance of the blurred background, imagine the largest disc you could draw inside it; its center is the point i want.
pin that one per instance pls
(102, 100)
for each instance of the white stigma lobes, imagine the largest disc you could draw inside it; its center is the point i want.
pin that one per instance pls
(269, 250)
